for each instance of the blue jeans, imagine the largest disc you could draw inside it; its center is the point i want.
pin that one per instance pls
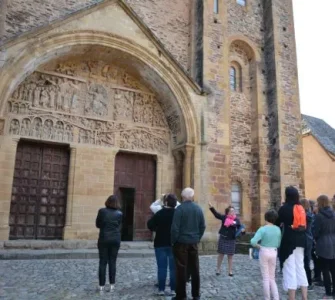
(164, 257)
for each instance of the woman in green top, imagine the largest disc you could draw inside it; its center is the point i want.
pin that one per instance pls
(267, 239)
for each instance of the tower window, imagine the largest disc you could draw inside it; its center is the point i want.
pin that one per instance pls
(241, 2)
(233, 85)
(236, 197)
(216, 6)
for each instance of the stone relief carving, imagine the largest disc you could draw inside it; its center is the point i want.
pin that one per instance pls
(142, 139)
(90, 103)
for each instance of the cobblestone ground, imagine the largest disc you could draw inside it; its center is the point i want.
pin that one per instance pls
(77, 279)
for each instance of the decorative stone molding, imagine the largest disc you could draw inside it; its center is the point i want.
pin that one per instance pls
(46, 48)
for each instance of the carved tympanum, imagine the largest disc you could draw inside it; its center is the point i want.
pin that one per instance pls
(90, 103)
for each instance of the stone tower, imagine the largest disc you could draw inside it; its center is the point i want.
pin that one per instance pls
(140, 98)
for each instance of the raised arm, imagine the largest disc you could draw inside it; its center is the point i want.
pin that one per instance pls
(156, 206)
(216, 214)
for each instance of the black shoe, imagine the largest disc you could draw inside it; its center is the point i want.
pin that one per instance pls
(231, 275)
(318, 283)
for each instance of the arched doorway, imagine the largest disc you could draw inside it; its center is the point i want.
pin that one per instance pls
(97, 97)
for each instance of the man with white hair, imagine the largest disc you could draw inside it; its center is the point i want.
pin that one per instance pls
(188, 227)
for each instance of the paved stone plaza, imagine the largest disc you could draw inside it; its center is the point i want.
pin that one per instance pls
(77, 279)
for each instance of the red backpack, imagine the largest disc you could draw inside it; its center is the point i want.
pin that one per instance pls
(299, 218)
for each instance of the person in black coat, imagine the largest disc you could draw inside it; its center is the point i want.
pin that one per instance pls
(324, 234)
(109, 222)
(161, 223)
(291, 251)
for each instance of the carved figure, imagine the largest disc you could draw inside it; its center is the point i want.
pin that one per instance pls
(59, 128)
(47, 130)
(59, 101)
(30, 94)
(14, 127)
(15, 108)
(52, 95)
(22, 109)
(83, 137)
(37, 128)
(25, 127)
(37, 97)
(98, 103)
(68, 137)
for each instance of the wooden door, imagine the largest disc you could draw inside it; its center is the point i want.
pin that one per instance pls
(39, 193)
(138, 172)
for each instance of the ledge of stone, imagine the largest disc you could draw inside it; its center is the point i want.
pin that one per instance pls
(84, 249)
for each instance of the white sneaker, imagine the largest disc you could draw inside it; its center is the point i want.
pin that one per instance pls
(101, 288)
(172, 293)
(160, 293)
(112, 287)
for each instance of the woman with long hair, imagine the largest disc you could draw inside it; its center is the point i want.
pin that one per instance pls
(291, 252)
(109, 221)
(324, 234)
(227, 240)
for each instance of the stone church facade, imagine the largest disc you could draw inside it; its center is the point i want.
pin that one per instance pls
(140, 98)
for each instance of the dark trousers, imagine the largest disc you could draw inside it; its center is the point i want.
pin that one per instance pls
(328, 273)
(317, 267)
(164, 259)
(307, 261)
(186, 256)
(107, 255)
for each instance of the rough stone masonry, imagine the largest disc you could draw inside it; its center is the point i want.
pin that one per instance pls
(109, 96)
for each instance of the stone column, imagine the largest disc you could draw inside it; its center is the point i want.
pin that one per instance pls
(179, 170)
(8, 148)
(159, 175)
(70, 187)
(188, 155)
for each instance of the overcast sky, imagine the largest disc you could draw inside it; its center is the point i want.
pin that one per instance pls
(315, 38)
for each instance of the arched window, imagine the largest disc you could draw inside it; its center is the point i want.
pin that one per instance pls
(236, 197)
(233, 84)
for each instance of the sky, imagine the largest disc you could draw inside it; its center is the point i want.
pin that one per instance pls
(315, 39)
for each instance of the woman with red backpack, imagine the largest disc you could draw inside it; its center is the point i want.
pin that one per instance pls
(291, 253)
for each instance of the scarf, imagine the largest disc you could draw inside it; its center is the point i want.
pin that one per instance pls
(230, 220)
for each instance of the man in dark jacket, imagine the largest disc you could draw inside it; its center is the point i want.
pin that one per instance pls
(324, 234)
(161, 223)
(187, 229)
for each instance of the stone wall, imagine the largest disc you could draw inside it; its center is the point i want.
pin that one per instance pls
(168, 20)
(289, 105)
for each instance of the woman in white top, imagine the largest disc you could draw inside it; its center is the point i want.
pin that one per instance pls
(158, 204)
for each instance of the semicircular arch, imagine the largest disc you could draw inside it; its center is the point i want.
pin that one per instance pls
(168, 85)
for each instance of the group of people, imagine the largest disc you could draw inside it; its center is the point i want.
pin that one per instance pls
(302, 230)
(299, 232)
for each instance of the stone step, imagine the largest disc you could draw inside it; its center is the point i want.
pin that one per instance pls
(26, 254)
(69, 245)
(128, 250)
